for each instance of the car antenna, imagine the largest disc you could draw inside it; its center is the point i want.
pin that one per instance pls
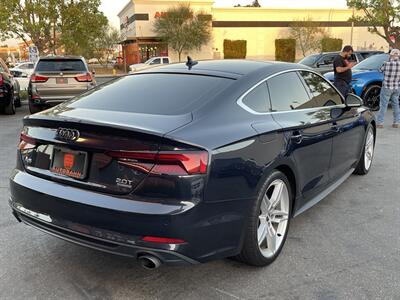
(190, 62)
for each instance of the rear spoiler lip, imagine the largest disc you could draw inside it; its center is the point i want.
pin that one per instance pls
(41, 120)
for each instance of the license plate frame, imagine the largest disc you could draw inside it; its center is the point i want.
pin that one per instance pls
(61, 80)
(66, 166)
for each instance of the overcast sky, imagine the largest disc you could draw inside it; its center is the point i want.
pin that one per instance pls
(112, 7)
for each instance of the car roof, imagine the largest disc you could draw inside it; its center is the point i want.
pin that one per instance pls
(51, 57)
(232, 68)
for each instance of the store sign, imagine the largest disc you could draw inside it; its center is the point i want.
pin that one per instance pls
(159, 14)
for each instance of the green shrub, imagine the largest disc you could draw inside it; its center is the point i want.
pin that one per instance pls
(285, 50)
(330, 44)
(235, 49)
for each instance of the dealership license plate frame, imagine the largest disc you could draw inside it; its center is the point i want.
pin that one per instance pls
(63, 151)
(61, 80)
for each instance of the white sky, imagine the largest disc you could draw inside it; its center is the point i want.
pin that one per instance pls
(112, 7)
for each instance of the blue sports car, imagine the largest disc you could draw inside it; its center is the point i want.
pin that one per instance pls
(367, 79)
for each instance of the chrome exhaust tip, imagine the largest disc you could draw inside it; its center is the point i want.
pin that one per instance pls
(149, 262)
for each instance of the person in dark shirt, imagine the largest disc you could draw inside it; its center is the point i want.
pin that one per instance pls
(342, 69)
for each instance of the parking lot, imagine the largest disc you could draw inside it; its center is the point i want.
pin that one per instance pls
(346, 247)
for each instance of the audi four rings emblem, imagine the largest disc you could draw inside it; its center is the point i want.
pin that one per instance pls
(67, 134)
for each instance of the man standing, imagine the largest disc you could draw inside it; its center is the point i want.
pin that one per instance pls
(342, 69)
(390, 89)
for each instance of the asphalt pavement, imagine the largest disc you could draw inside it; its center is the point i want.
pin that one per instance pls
(346, 247)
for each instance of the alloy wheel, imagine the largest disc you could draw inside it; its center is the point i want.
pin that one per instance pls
(372, 98)
(369, 149)
(273, 218)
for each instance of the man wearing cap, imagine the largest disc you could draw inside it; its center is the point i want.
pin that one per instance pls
(342, 69)
(390, 89)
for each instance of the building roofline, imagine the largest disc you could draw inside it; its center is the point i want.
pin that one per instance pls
(125, 7)
(281, 8)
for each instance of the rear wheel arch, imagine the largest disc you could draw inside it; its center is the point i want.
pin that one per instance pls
(290, 175)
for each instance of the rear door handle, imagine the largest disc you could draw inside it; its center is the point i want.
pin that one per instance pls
(297, 137)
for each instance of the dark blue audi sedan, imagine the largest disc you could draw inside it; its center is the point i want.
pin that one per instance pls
(188, 163)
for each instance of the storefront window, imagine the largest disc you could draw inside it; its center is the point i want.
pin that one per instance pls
(150, 50)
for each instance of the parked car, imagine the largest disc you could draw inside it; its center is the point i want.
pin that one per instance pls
(23, 70)
(56, 79)
(212, 163)
(367, 80)
(9, 91)
(22, 80)
(154, 61)
(323, 62)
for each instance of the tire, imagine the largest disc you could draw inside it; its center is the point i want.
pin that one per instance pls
(33, 109)
(261, 254)
(371, 97)
(10, 108)
(364, 165)
(18, 101)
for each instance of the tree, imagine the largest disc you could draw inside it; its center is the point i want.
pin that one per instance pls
(307, 35)
(378, 14)
(81, 24)
(28, 19)
(105, 44)
(51, 24)
(182, 29)
(254, 4)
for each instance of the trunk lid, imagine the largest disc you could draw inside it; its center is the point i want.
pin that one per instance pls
(80, 146)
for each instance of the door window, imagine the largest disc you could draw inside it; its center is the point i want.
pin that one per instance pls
(327, 59)
(258, 99)
(322, 93)
(165, 60)
(287, 92)
(156, 61)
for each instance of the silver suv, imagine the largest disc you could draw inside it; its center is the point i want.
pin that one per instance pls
(56, 79)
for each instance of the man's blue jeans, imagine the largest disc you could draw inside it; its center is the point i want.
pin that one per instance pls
(386, 96)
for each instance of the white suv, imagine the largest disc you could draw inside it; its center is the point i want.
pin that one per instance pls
(154, 61)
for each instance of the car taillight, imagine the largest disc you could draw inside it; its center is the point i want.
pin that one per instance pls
(26, 142)
(38, 78)
(84, 78)
(1, 80)
(170, 163)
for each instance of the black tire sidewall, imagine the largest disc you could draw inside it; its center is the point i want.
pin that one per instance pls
(10, 108)
(33, 109)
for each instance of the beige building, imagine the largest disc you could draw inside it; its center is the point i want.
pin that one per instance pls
(258, 26)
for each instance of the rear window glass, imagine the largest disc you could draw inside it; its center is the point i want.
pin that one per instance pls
(61, 65)
(161, 94)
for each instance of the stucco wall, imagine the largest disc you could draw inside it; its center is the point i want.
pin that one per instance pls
(260, 40)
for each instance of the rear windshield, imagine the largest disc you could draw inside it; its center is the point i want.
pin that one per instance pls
(160, 94)
(61, 65)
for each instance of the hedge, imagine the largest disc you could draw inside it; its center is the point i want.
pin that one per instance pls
(235, 49)
(285, 50)
(330, 44)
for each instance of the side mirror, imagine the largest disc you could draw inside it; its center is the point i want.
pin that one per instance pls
(94, 72)
(353, 101)
(24, 75)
